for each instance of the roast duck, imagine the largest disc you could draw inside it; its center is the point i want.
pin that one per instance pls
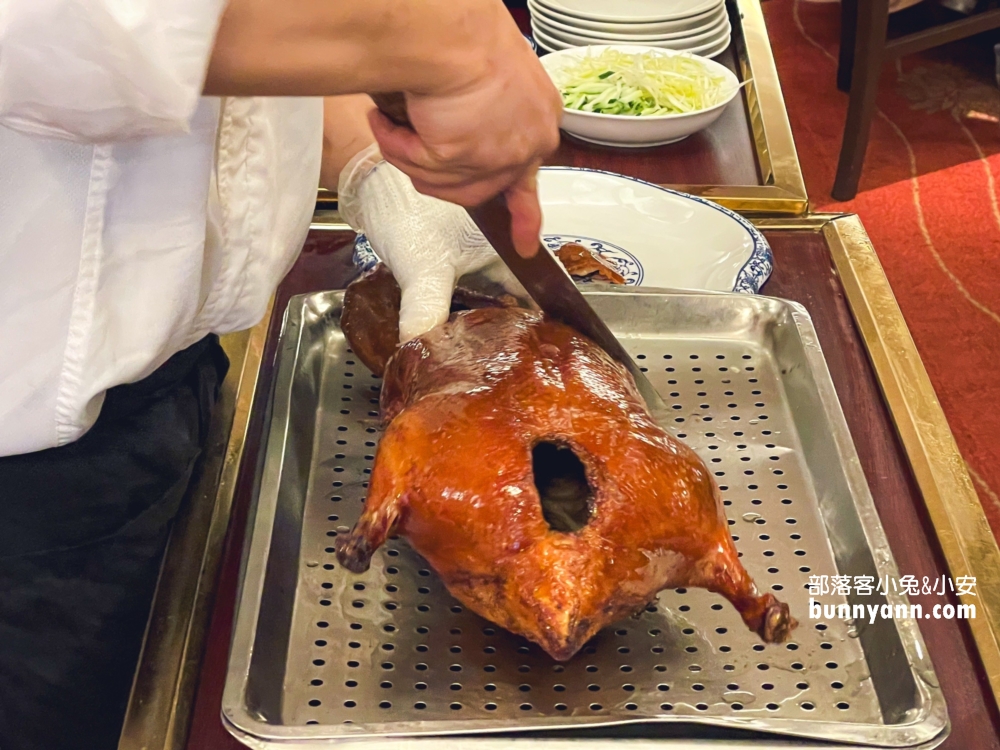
(520, 461)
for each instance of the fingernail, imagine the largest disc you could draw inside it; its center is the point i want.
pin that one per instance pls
(527, 249)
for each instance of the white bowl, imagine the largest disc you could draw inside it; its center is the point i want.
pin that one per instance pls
(631, 131)
(657, 27)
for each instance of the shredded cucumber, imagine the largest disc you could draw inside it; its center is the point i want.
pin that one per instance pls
(644, 85)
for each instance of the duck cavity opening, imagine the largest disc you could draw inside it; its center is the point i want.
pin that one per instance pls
(561, 480)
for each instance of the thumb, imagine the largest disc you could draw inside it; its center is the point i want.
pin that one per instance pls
(426, 301)
(526, 213)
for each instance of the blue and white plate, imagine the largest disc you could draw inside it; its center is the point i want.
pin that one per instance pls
(654, 236)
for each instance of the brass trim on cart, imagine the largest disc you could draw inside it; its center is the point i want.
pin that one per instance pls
(329, 220)
(326, 200)
(782, 190)
(810, 223)
(968, 544)
(163, 689)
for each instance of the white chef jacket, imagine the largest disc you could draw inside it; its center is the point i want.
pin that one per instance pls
(136, 216)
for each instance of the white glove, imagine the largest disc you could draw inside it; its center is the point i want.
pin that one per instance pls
(427, 243)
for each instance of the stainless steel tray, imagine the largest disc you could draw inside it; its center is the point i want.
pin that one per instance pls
(320, 654)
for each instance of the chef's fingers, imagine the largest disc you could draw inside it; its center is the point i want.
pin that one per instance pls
(471, 193)
(459, 176)
(465, 190)
(404, 148)
(449, 182)
(399, 144)
(525, 213)
(462, 183)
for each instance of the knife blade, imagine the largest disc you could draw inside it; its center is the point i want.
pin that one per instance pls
(543, 277)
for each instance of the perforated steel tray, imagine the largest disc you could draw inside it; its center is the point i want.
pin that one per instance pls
(320, 654)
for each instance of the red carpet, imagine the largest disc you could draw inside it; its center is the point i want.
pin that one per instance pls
(928, 200)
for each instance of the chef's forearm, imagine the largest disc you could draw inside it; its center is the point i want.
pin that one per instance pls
(324, 47)
(345, 133)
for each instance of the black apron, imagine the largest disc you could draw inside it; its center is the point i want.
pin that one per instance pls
(82, 533)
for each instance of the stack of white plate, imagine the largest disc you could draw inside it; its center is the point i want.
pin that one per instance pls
(700, 27)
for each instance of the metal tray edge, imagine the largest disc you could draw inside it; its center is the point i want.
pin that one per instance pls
(253, 566)
(930, 725)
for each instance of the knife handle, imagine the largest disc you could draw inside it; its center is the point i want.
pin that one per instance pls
(393, 106)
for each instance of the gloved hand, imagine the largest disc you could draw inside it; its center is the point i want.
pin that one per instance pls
(427, 243)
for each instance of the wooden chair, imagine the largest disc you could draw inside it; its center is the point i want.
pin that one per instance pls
(863, 49)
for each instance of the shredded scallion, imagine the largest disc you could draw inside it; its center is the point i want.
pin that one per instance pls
(613, 82)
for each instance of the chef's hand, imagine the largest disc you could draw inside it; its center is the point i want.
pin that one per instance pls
(484, 135)
(428, 244)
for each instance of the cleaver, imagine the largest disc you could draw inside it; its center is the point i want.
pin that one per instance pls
(543, 277)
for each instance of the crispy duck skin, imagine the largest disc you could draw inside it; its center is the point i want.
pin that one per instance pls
(370, 318)
(520, 461)
(580, 261)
